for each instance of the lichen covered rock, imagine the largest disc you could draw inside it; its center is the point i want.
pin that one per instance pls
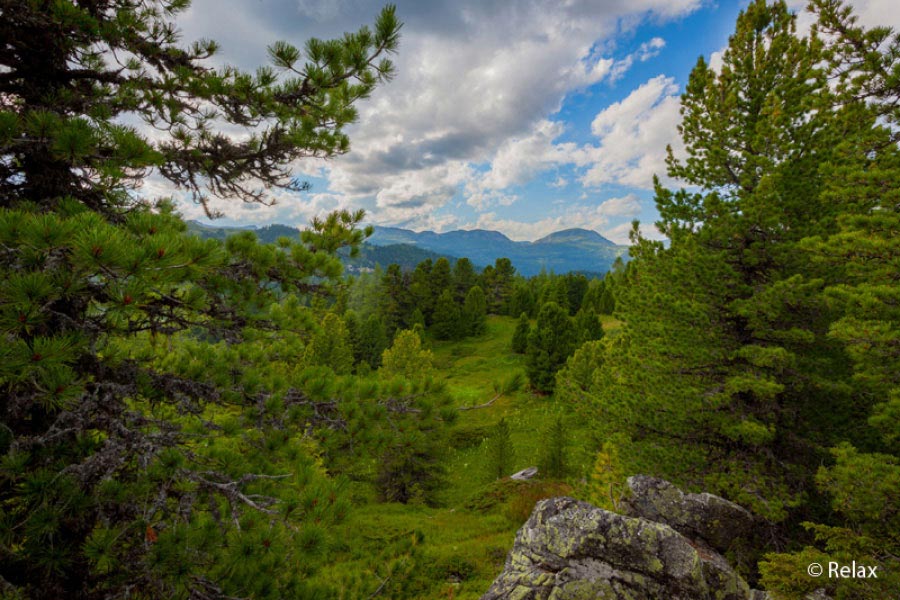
(570, 550)
(700, 517)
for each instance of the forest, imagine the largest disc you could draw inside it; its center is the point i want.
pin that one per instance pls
(213, 419)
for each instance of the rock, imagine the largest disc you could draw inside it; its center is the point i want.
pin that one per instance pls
(700, 517)
(571, 550)
(525, 474)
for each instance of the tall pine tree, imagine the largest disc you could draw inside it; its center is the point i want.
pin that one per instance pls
(550, 343)
(724, 376)
(89, 271)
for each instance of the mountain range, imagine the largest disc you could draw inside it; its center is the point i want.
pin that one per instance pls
(561, 252)
(579, 250)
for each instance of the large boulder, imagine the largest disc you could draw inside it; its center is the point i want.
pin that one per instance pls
(700, 517)
(571, 550)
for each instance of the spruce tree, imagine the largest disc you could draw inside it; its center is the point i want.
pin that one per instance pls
(396, 301)
(422, 296)
(330, 346)
(555, 459)
(576, 288)
(447, 320)
(353, 325)
(474, 312)
(724, 375)
(520, 335)
(100, 496)
(591, 299)
(549, 345)
(464, 277)
(498, 282)
(522, 299)
(372, 341)
(588, 327)
(501, 454)
(406, 357)
(862, 486)
(440, 279)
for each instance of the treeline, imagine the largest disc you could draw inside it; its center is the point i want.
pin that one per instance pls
(452, 302)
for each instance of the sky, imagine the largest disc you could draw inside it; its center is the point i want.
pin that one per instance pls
(519, 116)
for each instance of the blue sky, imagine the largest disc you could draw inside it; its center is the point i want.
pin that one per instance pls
(522, 116)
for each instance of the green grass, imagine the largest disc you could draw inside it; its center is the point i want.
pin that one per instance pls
(458, 548)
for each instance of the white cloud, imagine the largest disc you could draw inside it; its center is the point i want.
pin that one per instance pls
(560, 182)
(633, 135)
(577, 216)
(477, 83)
(645, 52)
(584, 218)
(619, 233)
(626, 206)
(518, 161)
(877, 13)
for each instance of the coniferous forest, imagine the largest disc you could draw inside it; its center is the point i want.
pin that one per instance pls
(200, 418)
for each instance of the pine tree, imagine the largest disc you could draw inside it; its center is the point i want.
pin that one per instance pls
(523, 299)
(607, 482)
(607, 301)
(422, 295)
(520, 335)
(555, 450)
(396, 301)
(724, 368)
(447, 320)
(549, 345)
(862, 258)
(501, 453)
(588, 327)
(474, 312)
(578, 375)
(497, 282)
(591, 299)
(330, 346)
(576, 288)
(372, 341)
(464, 277)
(99, 495)
(440, 279)
(406, 357)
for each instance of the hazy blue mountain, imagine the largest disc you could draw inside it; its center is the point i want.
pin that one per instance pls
(370, 255)
(583, 237)
(563, 251)
(405, 255)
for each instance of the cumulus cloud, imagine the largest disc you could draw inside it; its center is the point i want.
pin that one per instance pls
(626, 206)
(580, 216)
(478, 82)
(633, 135)
(645, 52)
(530, 231)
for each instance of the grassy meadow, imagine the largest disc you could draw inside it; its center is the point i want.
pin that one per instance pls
(456, 549)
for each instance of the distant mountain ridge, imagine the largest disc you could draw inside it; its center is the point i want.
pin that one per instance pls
(563, 251)
(370, 255)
